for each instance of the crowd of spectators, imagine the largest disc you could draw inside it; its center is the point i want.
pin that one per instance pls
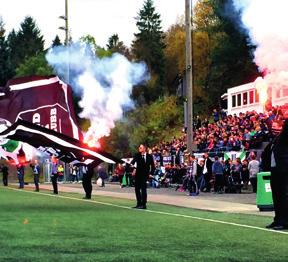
(233, 133)
(208, 174)
(224, 133)
(221, 133)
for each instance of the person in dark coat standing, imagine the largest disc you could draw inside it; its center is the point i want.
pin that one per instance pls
(279, 179)
(87, 171)
(144, 168)
(36, 173)
(207, 172)
(54, 174)
(20, 173)
(5, 172)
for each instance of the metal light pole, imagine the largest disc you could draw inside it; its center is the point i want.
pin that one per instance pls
(66, 29)
(189, 76)
(66, 23)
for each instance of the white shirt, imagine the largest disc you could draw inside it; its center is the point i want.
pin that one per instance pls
(273, 162)
(253, 168)
(205, 170)
(144, 156)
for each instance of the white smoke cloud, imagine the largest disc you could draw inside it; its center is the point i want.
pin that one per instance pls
(267, 22)
(105, 84)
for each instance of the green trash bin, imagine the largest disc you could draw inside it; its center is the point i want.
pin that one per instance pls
(264, 199)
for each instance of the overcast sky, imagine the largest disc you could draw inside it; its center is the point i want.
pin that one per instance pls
(99, 18)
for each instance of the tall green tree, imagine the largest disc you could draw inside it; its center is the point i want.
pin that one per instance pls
(35, 65)
(56, 41)
(229, 51)
(174, 54)
(175, 39)
(5, 69)
(98, 50)
(149, 46)
(117, 46)
(13, 52)
(146, 124)
(25, 43)
(235, 53)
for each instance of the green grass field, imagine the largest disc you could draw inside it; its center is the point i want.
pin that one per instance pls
(39, 227)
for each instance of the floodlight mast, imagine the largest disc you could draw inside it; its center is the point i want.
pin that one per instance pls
(66, 29)
(189, 75)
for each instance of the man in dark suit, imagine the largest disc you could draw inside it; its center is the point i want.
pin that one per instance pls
(207, 172)
(144, 167)
(87, 172)
(277, 163)
(5, 172)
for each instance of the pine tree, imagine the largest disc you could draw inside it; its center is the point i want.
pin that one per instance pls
(231, 58)
(25, 43)
(115, 45)
(5, 72)
(113, 41)
(13, 52)
(222, 53)
(149, 45)
(56, 41)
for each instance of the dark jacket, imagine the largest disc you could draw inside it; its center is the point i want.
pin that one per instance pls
(144, 167)
(5, 171)
(217, 168)
(266, 158)
(280, 150)
(209, 164)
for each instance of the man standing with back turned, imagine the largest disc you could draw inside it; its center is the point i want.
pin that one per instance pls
(144, 167)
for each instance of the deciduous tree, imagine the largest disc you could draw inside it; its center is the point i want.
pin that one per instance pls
(224, 47)
(35, 65)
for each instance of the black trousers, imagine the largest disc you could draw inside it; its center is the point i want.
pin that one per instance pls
(208, 178)
(54, 183)
(279, 186)
(141, 191)
(87, 185)
(253, 181)
(36, 182)
(219, 183)
(5, 180)
(128, 179)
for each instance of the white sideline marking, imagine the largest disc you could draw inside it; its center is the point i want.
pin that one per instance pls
(154, 211)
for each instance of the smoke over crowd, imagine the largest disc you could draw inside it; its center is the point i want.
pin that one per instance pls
(104, 84)
(266, 22)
